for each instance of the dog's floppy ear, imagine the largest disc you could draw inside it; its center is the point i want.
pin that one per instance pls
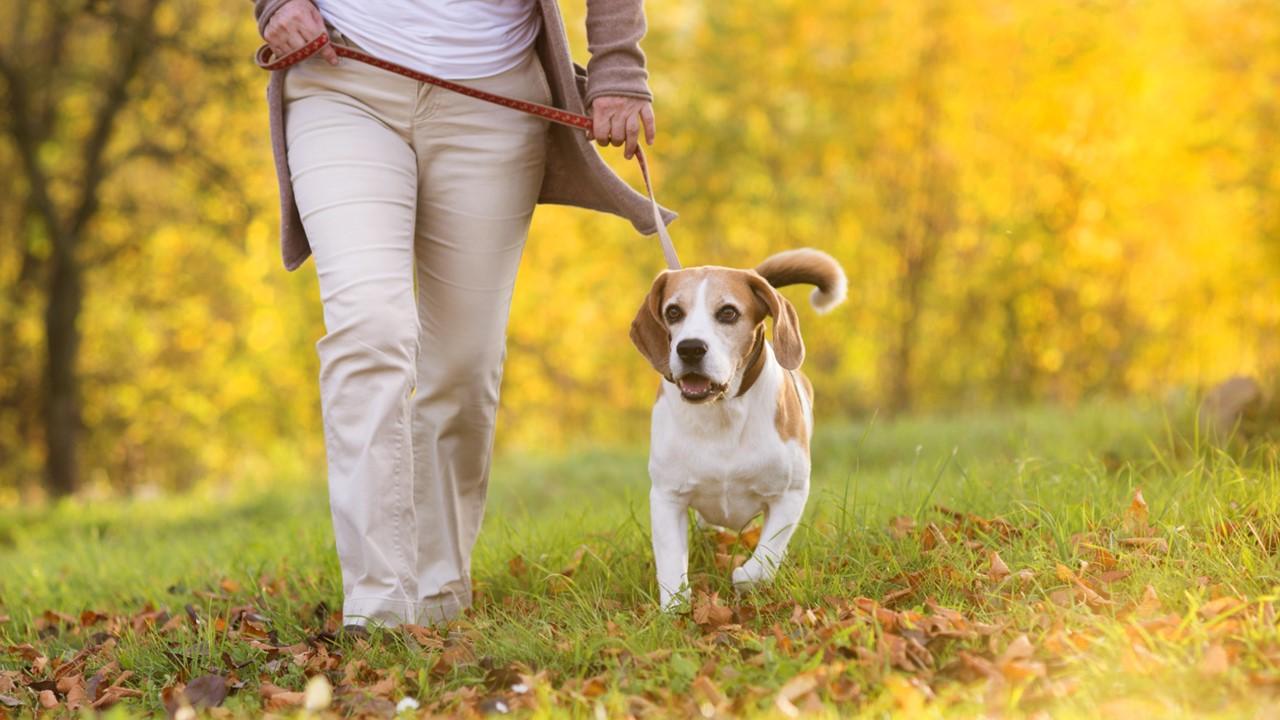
(787, 344)
(649, 333)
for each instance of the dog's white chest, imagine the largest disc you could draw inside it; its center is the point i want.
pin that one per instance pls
(727, 466)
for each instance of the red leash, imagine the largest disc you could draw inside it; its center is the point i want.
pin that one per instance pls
(265, 60)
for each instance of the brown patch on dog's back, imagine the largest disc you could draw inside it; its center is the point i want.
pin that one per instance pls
(789, 417)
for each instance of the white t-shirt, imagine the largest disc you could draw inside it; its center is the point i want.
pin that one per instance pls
(454, 39)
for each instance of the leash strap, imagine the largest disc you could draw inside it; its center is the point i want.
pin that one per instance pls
(265, 59)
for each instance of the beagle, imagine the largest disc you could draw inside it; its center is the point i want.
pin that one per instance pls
(731, 426)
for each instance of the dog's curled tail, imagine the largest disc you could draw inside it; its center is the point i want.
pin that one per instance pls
(806, 266)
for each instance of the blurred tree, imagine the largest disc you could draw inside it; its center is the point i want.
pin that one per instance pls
(72, 73)
(917, 187)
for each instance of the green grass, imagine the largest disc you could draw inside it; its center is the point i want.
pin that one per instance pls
(1060, 480)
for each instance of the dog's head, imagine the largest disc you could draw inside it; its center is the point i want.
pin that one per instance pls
(698, 327)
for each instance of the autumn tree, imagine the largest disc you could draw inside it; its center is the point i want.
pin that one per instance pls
(91, 93)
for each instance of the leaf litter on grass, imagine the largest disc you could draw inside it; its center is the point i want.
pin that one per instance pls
(1020, 638)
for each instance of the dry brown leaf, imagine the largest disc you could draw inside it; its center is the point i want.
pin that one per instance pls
(427, 637)
(113, 695)
(900, 527)
(268, 690)
(594, 687)
(77, 696)
(996, 569)
(1103, 557)
(709, 696)
(1220, 606)
(709, 613)
(1111, 576)
(1147, 544)
(284, 700)
(516, 566)
(1135, 517)
(1020, 649)
(206, 691)
(1150, 602)
(791, 691)
(931, 537)
(1215, 660)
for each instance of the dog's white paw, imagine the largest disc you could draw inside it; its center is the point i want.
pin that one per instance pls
(750, 574)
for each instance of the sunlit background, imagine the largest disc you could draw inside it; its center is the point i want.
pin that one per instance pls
(1036, 202)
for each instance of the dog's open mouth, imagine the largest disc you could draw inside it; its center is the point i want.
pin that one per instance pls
(697, 388)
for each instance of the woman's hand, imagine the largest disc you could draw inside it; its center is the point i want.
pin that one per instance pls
(616, 120)
(295, 24)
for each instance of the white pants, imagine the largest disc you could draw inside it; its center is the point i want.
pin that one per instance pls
(403, 186)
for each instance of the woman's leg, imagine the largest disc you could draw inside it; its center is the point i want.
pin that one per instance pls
(481, 169)
(355, 178)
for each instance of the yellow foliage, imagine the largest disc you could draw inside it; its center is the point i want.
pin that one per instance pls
(1032, 201)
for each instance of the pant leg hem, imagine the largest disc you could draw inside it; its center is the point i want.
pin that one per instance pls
(389, 612)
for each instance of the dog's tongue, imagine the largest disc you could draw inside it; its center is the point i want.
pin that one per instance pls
(695, 384)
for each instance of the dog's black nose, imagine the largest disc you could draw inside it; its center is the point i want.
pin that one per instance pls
(691, 351)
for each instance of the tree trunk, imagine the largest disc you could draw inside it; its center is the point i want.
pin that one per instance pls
(61, 401)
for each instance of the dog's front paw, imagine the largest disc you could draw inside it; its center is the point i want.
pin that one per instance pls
(751, 573)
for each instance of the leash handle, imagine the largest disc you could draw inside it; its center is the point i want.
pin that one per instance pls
(265, 59)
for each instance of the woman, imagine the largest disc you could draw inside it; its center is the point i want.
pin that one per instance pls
(415, 203)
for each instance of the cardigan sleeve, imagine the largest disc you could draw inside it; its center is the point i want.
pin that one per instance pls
(617, 65)
(263, 10)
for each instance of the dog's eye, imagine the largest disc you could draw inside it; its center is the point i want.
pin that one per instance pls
(674, 314)
(727, 314)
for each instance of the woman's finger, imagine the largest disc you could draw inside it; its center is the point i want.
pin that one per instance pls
(273, 37)
(600, 127)
(602, 136)
(633, 135)
(650, 127)
(313, 27)
(298, 37)
(618, 129)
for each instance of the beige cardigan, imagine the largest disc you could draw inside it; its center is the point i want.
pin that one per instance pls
(575, 173)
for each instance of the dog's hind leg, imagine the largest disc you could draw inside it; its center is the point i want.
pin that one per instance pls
(780, 521)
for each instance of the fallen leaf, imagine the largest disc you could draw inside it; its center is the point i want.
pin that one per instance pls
(1215, 660)
(711, 701)
(709, 613)
(1220, 606)
(931, 537)
(1150, 602)
(516, 566)
(996, 570)
(206, 691)
(1135, 518)
(1020, 649)
(900, 527)
(794, 689)
(1148, 544)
